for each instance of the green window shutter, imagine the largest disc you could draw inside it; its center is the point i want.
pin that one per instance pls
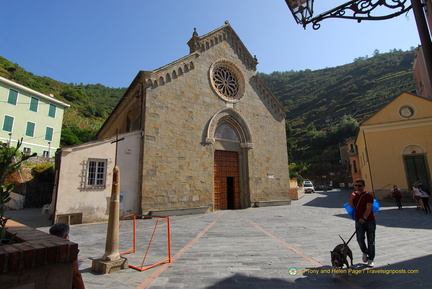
(30, 129)
(52, 110)
(8, 123)
(49, 133)
(13, 96)
(34, 104)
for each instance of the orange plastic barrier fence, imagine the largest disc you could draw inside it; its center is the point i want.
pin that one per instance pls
(142, 268)
(134, 233)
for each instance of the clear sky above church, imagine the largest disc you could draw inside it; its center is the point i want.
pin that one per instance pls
(109, 41)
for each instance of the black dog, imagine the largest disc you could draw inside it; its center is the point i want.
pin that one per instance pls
(339, 255)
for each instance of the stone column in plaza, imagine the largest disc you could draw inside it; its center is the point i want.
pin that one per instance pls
(111, 260)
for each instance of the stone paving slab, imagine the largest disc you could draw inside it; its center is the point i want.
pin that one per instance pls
(256, 247)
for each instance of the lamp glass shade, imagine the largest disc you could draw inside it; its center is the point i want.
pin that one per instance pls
(301, 9)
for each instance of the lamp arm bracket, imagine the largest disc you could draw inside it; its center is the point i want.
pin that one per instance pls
(362, 10)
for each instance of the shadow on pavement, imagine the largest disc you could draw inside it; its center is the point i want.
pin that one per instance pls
(388, 215)
(406, 274)
(408, 218)
(244, 281)
(330, 199)
(412, 273)
(31, 217)
(337, 197)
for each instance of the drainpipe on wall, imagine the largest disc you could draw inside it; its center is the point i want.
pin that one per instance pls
(57, 163)
(142, 135)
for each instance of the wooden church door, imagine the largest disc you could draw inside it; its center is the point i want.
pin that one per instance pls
(226, 180)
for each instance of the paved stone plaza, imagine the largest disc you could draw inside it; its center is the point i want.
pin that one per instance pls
(257, 247)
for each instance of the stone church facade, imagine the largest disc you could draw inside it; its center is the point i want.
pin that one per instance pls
(211, 133)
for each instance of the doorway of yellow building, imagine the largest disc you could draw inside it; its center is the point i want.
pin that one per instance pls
(417, 170)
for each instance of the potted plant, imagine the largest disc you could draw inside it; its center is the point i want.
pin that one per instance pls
(9, 163)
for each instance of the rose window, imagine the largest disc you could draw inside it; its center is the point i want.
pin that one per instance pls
(227, 80)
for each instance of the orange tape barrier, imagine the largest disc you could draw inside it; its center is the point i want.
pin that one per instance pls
(134, 233)
(142, 268)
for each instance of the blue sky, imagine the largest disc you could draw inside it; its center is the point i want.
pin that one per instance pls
(109, 41)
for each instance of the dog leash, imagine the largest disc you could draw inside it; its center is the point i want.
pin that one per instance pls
(349, 238)
(352, 236)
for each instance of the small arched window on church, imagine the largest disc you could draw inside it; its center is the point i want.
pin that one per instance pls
(226, 132)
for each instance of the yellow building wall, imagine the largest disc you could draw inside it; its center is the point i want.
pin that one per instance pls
(386, 138)
(354, 162)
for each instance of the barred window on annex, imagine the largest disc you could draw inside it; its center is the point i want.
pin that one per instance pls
(96, 172)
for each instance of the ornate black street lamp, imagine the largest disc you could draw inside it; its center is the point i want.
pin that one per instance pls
(355, 9)
(359, 10)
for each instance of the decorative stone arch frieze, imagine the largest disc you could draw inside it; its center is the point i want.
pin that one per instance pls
(149, 83)
(412, 149)
(236, 121)
(163, 76)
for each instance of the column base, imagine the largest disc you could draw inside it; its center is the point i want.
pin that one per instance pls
(107, 267)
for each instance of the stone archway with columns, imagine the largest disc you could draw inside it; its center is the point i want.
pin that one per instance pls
(230, 136)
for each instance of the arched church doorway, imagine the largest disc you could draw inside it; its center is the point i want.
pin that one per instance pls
(231, 139)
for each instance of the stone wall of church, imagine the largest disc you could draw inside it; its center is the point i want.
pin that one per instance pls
(178, 163)
(268, 160)
(178, 168)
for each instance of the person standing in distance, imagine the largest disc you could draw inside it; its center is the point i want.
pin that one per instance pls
(364, 221)
(62, 230)
(396, 193)
(425, 192)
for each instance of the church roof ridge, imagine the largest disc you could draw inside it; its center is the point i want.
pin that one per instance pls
(198, 44)
(271, 98)
(174, 63)
(227, 33)
(227, 24)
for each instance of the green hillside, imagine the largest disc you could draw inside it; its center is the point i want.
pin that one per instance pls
(90, 104)
(325, 106)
